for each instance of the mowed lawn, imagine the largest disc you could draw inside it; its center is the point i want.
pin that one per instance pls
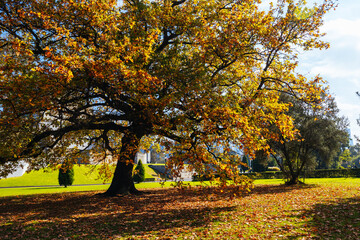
(46, 181)
(322, 209)
(84, 174)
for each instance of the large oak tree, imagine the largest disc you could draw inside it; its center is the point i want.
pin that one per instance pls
(203, 75)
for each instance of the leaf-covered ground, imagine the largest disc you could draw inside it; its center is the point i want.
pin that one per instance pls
(327, 211)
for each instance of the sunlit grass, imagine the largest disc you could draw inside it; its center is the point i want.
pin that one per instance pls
(58, 189)
(149, 185)
(84, 174)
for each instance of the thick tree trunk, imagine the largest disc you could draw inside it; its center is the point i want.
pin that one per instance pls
(122, 182)
(295, 174)
(293, 180)
(291, 176)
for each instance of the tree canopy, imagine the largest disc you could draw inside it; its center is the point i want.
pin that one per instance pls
(321, 134)
(201, 75)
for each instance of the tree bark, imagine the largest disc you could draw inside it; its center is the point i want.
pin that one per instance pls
(294, 179)
(122, 182)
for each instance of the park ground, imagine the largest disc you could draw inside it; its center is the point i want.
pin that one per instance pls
(321, 209)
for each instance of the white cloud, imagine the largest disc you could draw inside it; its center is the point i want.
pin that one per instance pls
(355, 82)
(343, 32)
(352, 110)
(339, 28)
(336, 70)
(342, 60)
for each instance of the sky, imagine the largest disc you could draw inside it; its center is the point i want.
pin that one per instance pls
(340, 64)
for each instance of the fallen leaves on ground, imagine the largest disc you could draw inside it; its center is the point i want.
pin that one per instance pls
(268, 212)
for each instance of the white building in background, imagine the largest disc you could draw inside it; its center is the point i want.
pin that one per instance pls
(144, 157)
(19, 171)
(351, 142)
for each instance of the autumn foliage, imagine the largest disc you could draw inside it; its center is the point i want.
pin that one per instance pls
(100, 76)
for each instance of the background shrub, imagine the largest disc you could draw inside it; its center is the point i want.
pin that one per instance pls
(139, 172)
(66, 175)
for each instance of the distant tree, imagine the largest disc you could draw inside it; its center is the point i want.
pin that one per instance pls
(139, 172)
(355, 150)
(321, 132)
(245, 163)
(66, 175)
(355, 154)
(346, 159)
(335, 162)
(260, 162)
(356, 162)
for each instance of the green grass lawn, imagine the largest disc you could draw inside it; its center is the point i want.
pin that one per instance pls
(150, 173)
(84, 174)
(43, 179)
(46, 177)
(150, 185)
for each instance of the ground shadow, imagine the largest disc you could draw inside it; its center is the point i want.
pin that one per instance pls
(339, 219)
(85, 215)
(89, 216)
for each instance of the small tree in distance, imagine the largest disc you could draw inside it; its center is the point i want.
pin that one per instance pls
(66, 175)
(139, 173)
(345, 159)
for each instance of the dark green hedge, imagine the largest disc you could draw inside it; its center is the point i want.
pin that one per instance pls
(333, 173)
(321, 173)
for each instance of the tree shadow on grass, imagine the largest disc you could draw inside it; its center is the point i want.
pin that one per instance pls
(85, 216)
(339, 219)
